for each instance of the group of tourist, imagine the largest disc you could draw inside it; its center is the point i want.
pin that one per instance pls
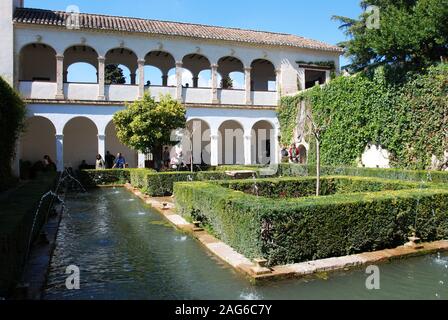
(293, 154)
(110, 161)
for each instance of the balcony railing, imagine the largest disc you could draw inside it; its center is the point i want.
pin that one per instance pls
(118, 93)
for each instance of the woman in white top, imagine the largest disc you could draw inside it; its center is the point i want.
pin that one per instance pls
(100, 165)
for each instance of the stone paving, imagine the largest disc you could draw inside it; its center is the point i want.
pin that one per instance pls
(165, 206)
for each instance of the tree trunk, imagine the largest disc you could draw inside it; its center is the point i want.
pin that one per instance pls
(317, 167)
(157, 156)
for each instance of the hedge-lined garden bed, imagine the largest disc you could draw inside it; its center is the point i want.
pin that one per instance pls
(306, 186)
(295, 170)
(293, 230)
(158, 184)
(92, 178)
(155, 184)
(16, 218)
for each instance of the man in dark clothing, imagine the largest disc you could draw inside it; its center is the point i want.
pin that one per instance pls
(166, 158)
(109, 160)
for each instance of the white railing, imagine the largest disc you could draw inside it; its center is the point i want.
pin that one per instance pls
(37, 89)
(157, 91)
(264, 98)
(119, 92)
(237, 97)
(81, 91)
(89, 92)
(197, 95)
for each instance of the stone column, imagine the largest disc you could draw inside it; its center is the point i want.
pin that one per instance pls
(275, 147)
(133, 78)
(16, 76)
(195, 81)
(141, 160)
(327, 76)
(248, 148)
(165, 80)
(60, 152)
(278, 73)
(179, 66)
(102, 146)
(141, 78)
(301, 76)
(59, 77)
(101, 78)
(248, 84)
(214, 68)
(214, 149)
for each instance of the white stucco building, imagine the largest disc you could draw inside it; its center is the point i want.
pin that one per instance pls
(71, 121)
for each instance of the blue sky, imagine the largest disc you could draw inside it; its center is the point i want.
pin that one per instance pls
(311, 19)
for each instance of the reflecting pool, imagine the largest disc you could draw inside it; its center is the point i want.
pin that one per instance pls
(125, 250)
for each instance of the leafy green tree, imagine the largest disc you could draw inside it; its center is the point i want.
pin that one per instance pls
(114, 74)
(12, 120)
(146, 125)
(411, 34)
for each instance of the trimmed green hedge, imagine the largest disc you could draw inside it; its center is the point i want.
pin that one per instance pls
(16, 219)
(295, 230)
(92, 178)
(161, 184)
(306, 186)
(295, 170)
(155, 184)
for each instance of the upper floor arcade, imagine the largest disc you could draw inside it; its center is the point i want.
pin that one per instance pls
(234, 67)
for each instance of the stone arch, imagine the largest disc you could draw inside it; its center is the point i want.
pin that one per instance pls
(303, 151)
(44, 70)
(38, 139)
(231, 143)
(197, 64)
(229, 68)
(263, 142)
(80, 142)
(263, 75)
(198, 142)
(80, 54)
(123, 57)
(162, 60)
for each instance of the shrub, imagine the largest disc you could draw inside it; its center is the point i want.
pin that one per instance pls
(295, 230)
(92, 178)
(294, 170)
(306, 186)
(12, 117)
(161, 184)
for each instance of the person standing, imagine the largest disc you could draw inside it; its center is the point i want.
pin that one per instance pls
(49, 164)
(100, 165)
(294, 153)
(120, 162)
(166, 157)
(110, 159)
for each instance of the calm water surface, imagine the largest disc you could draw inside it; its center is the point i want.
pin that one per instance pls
(127, 251)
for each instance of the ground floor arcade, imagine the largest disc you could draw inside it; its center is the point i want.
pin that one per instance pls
(71, 134)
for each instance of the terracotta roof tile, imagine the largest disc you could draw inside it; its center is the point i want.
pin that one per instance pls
(124, 24)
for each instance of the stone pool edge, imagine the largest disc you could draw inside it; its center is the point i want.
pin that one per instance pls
(252, 270)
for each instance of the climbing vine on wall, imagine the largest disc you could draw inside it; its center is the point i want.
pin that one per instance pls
(408, 117)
